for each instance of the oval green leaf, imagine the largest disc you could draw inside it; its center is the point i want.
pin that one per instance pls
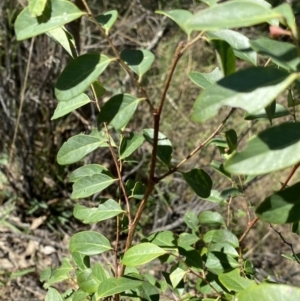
(138, 60)
(107, 20)
(218, 262)
(89, 243)
(273, 149)
(251, 89)
(204, 80)
(79, 74)
(219, 236)
(65, 107)
(53, 295)
(55, 14)
(142, 253)
(118, 110)
(231, 14)
(199, 181)
(281, 207)
(87, 171)
(130, 143)
(211, 218)
(87, 282)
(267, 292)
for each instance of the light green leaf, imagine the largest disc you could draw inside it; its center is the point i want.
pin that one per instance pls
(267, 292)
(142, 253)
(231, 14)
(239, 43)
(107, 20)
(89, 243)
(176, 276)
(223, 247)
(79, 295)
(53, 295)
(90, 185)
(164, 145)
(130, 143)
(251, 89)
(187, 239)
(219, 236)
(114, 286)
(138, 60)
(273, 149)
(82, 261)
(281, 207)
(284, 54)
(36, 7)
(99, 272)
(64, 38)
(79, 74)
(87, 281)
(280, 111)
(163, 239)
(210, 2)
(204, 80)
(87, 171)
(199, 181)
(77, 147)
(61, 273)
(106, 210)
(234, 282)
(225, 56)
(211, 218)
(118, 110)
(65, 107)
(215, 197)
(191, 220)
(218, 262)
(56, 14)
(180, 17)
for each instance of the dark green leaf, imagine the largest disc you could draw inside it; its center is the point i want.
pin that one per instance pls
(223, 247)
(107, 19)
(281, 207)
(89, 243)
(130, 143)
(118, 110)
(199, 181)
(55, 14)
(273, 149)
(99, 89)
(231, 192)
(218, 167)
(204, 80)
(79, 74)
(218, 262)
(164, 146)
(232, 140)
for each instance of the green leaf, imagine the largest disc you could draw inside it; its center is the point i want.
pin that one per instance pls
(148, 292)
(187, 239)
(53, 295)
(138, 60)
(89, 243)
(90, 185)
(223, 247)
(225, 56)
(251, 89)
(65, 107)
(99, 89)
(219, 236)
(215, 197)
(218, 167)
(289, 18)
(118, 110)
(211, 218)
(284, 54)
(82, 261)
(273, 149)
(231, 14)
(61, 36)
(80, 296)
(107, 20)
(130, 143)
(210, 2)
(56, 14)
(296, 228)
(142, 253)
(292, 257)
(87, 171)
(77, 147)
(280, 111)
(107, 210)
(232, 140)
(292, 102)
(204, 80)
(61, 273)
(79, 74)
(234, 282)
(191, 219)
(199, 181)
(267, 292)
(164, 145)
(177, 275)
(192, 257)
(180, 17)
(163, 239)
(218, 262)
(210, 286)
(36, 7)
(114, 286)
(281, 207)
(239, 43)
(99, 272)
(231, 192)
(87, 282)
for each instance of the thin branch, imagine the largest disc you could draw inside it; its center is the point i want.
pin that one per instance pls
(199, 147)
(22, 97)
(117, 54)
(287, 243)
